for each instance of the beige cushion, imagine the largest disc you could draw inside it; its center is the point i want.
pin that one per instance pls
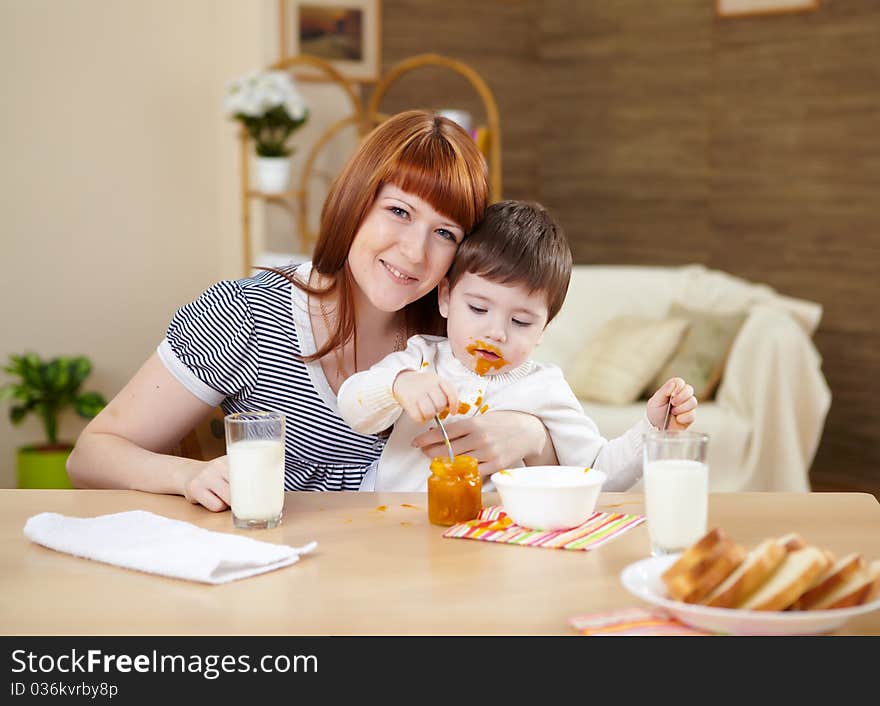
(622, 357)
(702, 352)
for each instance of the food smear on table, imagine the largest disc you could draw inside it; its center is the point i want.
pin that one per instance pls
(498, 525)
(408, 506)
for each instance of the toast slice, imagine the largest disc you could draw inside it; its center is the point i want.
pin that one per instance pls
(861, 587)
(695, 555)
(792, 541)
(758, 565)
(700, 580)
(795, 574)
(832, 578)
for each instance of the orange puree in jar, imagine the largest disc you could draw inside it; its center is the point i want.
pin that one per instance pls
(454, 490)
(485, 363)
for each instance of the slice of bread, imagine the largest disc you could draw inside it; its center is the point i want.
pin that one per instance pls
(795, 574)
(782, 573)
(758, 565)
(693, 585)
(792, 541)
(695, 555)
(832, 578)
(861, 587)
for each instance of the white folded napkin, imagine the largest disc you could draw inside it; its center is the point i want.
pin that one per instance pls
(159, 545)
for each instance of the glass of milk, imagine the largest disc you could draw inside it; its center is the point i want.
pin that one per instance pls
(255, 451)
(676, 478)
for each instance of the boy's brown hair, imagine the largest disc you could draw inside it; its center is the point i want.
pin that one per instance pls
(518, 242)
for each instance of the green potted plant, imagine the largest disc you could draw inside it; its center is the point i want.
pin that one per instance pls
(47, 388)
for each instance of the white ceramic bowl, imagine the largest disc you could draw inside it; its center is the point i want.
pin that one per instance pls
(549, 497)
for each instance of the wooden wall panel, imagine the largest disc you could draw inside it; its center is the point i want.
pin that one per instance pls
(661, 134)
(795, 168)
(623, 159)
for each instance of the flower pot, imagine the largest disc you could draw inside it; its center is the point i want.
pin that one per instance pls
(43, 467)
(273, 174)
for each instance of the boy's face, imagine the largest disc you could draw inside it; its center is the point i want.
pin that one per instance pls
(492, 327)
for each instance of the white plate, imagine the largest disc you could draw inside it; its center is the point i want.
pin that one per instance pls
(642, 579)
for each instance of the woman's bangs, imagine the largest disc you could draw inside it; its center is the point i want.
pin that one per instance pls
(439, 177)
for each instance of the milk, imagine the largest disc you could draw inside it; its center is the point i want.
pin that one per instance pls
(256, 478)
(676, 502)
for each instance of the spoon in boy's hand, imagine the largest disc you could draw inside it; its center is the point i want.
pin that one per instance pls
(445, 438)
(668, 410)
(665, 418)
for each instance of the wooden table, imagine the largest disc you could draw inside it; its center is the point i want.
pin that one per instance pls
(375, 572)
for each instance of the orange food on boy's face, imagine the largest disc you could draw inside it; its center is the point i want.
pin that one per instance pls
(486, 357)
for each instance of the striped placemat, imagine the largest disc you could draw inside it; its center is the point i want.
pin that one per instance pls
(631, 621)
(493, 525)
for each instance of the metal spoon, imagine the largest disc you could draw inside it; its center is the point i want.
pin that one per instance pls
(445, 438)
(665, 418)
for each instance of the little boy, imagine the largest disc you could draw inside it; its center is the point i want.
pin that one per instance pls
(507, 282)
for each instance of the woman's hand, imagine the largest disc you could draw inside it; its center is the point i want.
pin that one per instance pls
(497, 440)
(684, 404)
(209, 485)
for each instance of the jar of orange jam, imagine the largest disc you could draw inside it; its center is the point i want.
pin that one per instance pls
(454, 490)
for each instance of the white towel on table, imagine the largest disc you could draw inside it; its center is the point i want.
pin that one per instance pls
(159, 545)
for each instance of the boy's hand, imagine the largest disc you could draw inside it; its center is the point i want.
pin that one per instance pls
(684, 404)
(422, 394)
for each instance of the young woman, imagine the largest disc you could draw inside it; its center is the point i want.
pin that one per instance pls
(286, 340)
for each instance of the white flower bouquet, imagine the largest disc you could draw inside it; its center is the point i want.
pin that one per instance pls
(270, 106)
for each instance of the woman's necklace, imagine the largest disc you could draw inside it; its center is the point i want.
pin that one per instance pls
(342, 372)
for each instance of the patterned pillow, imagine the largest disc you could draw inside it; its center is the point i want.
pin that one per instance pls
(622, 357)
(702, 352)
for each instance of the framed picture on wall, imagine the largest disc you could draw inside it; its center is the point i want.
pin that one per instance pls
(744, 8)
(346, 33)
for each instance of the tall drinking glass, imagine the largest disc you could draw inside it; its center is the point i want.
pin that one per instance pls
(676, 479)
(255, 450)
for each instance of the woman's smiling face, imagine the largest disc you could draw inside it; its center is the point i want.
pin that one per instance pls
(402, 249)
(492, 327)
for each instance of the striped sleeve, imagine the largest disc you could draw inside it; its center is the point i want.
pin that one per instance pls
(210, 345)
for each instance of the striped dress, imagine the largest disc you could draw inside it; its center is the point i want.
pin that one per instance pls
(237, 346)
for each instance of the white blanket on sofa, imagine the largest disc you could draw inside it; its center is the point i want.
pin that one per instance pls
(774, 381)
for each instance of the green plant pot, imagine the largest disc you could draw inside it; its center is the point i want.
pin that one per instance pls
(43, 468)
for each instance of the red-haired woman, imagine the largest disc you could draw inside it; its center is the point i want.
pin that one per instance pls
(285, 340)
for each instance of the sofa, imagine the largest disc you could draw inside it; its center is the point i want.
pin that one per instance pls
(766, 411)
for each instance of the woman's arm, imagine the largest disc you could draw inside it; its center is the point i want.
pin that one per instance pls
(497, 440)
(126, 445)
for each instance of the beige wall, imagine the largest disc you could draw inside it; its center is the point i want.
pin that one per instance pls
(118, 175)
